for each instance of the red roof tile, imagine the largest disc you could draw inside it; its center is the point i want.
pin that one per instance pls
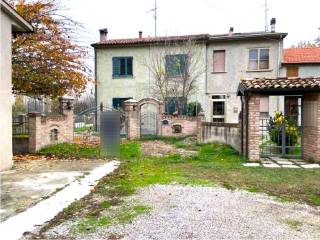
(147, 40)
(301, 55)
(271, 84)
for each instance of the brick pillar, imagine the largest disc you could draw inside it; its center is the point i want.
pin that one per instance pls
(311, 127)
(130, 107)
(254, 131)
(66, 109)
(34, 125)
(200, 119)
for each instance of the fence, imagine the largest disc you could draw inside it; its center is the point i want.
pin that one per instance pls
(227, 133)
(20, 125)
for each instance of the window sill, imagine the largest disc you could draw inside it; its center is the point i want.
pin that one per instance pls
(218, 72)
(260, 70)
(121, 77)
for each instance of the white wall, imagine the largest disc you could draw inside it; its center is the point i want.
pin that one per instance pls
(312, 70)
(237, 57)
(141, 84)
(5, 93)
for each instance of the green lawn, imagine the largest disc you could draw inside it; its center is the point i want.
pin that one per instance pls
(215, 164)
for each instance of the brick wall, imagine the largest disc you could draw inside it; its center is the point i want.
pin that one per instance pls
(188, 124)
(253, 125)
(45, 130)
(311, 126)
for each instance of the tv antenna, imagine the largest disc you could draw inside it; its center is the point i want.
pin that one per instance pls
(266, 9)
(155, 11)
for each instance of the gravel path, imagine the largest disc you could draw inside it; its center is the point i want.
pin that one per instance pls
(186, 212)
(193, 212)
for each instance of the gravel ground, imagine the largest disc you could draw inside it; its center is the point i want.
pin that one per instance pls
(190, 212)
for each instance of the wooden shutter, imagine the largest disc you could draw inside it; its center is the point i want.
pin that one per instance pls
(292, 71)
(219, 60)
(264, 104)
(116, 66)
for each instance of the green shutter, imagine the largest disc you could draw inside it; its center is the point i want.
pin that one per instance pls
(116, 66)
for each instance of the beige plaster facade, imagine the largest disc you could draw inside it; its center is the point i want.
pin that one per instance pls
(10, 22)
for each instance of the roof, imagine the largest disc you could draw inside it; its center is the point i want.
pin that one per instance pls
(248, 35)
(151, 40)
(196, 37)
(20, 24)
(279, 85)
(301, 55)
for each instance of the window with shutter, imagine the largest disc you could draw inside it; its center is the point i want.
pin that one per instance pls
(122, 67)
(292, 71)
(219, 61)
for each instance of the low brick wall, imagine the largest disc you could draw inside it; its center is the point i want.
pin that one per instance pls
(45, 130)
(188, 124)
(221, 132)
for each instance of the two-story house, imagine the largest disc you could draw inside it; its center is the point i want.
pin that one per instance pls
(121, 72)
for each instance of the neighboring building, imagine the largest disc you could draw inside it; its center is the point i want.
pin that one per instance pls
(121, 73)
(301, 62)
(235, 56)
(11, 22)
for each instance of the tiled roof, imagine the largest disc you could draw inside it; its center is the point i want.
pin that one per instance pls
(196, 37)
(279, 84)
(301, 55)
(148, 40)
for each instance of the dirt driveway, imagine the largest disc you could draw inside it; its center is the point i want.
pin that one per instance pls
(33, 180)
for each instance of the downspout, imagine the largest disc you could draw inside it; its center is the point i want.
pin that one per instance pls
(247, 126)
(96, 87)
(278, 67)
(242, 113)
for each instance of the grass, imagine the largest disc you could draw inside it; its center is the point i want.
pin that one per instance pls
(215, 164)
(68, 150)
(294, 224)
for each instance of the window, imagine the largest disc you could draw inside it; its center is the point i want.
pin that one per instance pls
(122, 66)
(176, 65)
(258, 59)
(117, 103)
(219, 61)
(292, 71)
(174, 104)
(218, 108)
(264, 106)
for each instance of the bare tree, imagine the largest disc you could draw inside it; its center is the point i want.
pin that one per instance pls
(175, 69)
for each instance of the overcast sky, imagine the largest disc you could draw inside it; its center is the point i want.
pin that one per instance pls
(124, 18)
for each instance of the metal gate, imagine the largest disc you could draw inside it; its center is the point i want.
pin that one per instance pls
(148, 123)
(86, 127)
(280, 136)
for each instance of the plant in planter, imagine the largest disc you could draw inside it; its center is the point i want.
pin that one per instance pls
(279, 123)
(177, 128)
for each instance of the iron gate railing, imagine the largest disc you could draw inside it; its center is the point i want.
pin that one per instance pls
(148, 123)
(279, 140)
(20, 125)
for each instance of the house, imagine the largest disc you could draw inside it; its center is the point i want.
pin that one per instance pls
(121, 72)
(301, 62)
(11, 23)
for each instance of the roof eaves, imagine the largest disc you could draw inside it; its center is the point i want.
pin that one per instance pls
(22, 24)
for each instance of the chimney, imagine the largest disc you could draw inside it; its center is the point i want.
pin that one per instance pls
(231, 31)
(273, 24)
(140, 34)
(103, 34)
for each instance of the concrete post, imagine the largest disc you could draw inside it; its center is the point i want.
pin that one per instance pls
(200, 119)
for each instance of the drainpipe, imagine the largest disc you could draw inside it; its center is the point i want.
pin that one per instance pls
(95, 87)
(242, 113)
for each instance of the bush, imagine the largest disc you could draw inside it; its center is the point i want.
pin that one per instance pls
(276, 123)
(193, 108)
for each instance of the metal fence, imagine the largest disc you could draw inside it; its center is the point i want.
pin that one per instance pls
(279, 140)
(20, 125)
